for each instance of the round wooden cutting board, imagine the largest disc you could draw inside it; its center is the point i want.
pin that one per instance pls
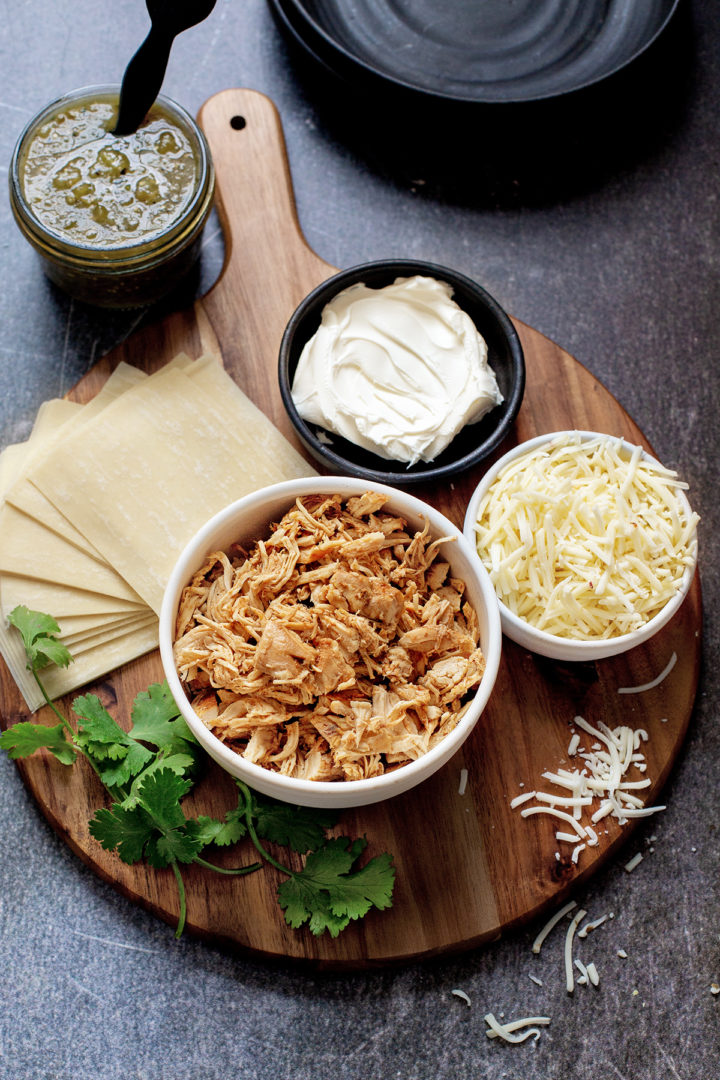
(468, 866)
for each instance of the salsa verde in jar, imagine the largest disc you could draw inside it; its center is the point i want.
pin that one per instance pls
(117, 219)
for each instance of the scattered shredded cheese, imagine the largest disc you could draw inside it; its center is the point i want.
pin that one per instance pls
(530, 810)
(506, 1031)
(520, 799)
(550, 924)
(576, 852)
(584, 977)
(573, 801)
(570, 934)
(622, 954)
(534, 978)
(584, 539)
(463, 781)
(653, 682)
(461, 994)
(593, 974)
(635, 861)
(585, 930)
(602, 774)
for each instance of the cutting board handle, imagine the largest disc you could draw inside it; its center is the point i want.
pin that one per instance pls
(269, 267)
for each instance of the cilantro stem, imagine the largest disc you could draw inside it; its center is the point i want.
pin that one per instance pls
(227, 870)
(247, 799)
(63, 719)
(181, 894)
(70, 729)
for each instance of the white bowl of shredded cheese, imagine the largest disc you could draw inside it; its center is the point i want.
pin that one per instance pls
(589, 541)
(330, 641)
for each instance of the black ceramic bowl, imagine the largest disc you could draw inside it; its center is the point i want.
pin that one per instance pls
(475, 441)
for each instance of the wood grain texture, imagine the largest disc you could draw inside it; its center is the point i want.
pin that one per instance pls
(468, 867)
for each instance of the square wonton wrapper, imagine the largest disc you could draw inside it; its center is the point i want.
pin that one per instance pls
(140, 479)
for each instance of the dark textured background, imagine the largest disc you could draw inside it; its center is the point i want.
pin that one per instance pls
(596, 221)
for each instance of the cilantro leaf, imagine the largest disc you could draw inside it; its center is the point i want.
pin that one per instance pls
(327, 893)
(116, 756)
(98, 729)
(25, 738)
(302, 904)
(157, 720)
(39, 638)
(178, 845)
(204, 829)
(136, 757)
(128, 831)
(180, 764)
(301, 828)
(160, 795)
(233, 828)
(154, 827)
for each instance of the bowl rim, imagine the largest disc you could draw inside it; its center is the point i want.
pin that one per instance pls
(334, 284)
(553, 645)
(292, 789)
(339, 59)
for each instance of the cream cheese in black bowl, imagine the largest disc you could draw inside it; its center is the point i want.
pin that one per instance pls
(394, 324)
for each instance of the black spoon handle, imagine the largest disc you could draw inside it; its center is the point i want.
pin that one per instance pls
(142, 80)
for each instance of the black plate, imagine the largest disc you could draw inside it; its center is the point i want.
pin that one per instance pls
(471, 445)
(477, 51)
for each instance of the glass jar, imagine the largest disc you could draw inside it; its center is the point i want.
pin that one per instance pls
(117, 220)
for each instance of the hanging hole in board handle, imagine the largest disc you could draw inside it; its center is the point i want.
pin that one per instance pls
(237, 123)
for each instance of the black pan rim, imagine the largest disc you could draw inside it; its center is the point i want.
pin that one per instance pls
(334, 57)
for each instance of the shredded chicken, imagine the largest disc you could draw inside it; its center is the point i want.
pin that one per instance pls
(336, 649)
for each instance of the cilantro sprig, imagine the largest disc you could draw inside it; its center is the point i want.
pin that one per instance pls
(331, 889)
(147, 772)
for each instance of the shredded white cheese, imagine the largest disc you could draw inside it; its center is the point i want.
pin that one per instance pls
(604, 775)
(584, 977)
(589, 926)
(653, 682)
(463, 781)
(530, 810)
(461, 994)
(507, 1031)
(593, 974)
(570, 934)
(550, 924)
(585, 540)
(635, 861)
(520, 799)
(576, 852)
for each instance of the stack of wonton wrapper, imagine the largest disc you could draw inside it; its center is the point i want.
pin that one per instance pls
(97, 505)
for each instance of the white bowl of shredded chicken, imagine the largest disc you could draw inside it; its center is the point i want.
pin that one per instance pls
(330, 641)
(589, 541)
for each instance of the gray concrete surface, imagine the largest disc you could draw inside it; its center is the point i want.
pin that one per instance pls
(597, 223)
